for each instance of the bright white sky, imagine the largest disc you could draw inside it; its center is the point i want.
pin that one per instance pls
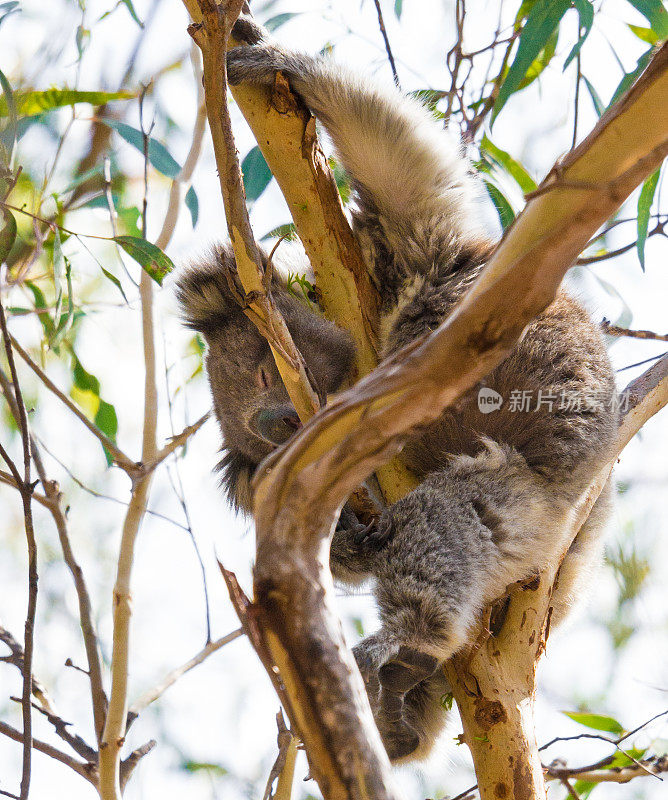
(224, 711)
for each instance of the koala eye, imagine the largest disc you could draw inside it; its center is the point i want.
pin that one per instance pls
(263, 378)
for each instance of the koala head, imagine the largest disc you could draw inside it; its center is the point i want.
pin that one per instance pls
(250, 401)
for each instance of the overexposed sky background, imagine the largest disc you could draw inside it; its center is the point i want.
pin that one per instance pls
(223, 712)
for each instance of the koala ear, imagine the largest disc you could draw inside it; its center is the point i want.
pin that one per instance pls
(203, 290)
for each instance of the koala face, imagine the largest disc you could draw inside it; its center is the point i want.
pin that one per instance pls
(250, 400)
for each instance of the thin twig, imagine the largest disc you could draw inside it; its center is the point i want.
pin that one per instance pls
(171, 677)
(26, 498)
(86, 770)
(388, 49)
(614, 330)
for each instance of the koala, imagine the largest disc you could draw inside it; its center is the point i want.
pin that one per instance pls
(495, 485)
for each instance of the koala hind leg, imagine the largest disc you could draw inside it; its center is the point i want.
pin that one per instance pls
(409, 716)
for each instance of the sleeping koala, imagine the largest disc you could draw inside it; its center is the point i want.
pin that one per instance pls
(496, 484)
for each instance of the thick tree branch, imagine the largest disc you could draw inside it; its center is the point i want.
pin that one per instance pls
(297, 497)
(211, 36)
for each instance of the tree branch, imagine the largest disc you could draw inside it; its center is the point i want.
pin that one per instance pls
(26, 488)
(170, 679)
(87, 771)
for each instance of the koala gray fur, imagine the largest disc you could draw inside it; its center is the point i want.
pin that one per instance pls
(492, 507)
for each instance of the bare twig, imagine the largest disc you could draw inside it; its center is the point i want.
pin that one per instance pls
(16, 658)
(284, 765)
(170, 679)
(86, 770)
(175, 442)
(386, 40)
(115, 724)
(614, 330)
(26, 490)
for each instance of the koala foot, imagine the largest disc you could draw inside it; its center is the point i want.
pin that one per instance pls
(257, 64)
(376, 534)
(408, 668)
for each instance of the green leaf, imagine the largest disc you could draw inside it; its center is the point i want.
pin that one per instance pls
(509, 164)
(359, 627)
(106, 420)
(8, 8)
(41, 308)
(151, 258)
(82, 178)
(542, 60)
(503, 207)
(273, 23)
(114, 280)
(586, 13)
(10, 105)
(629, 79)
(130, 7)
(598, 722)
(583, 789)
(58, 269)
(30, 103)
(287, 229)
(84, 380)
(542, 21)
(207, 766)
(655, 13)
(595, 99)
(256, 174)
(7, 234)
(644, 207)
(398, 8)
(342, 180)
(65, 321)
(646, 35)
(158, 154)
(192, 204)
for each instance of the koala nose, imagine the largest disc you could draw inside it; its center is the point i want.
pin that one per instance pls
(277, 425)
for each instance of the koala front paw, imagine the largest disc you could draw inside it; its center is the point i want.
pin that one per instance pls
(247, 30)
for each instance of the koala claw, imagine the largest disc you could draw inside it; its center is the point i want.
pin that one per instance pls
(376, 534)
(246, 30)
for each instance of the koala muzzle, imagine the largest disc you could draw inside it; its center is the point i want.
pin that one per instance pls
(277, 425)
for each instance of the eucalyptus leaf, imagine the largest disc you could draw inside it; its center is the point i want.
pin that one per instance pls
(273, 23)
(256, 174)
(30, 103)
(7, 234)
(158, 154)
(655, 13)
(595, 99)
(586, 13)
(503, 207)
(541, 23)
(598, 722)
(629, 79)
(192, 204)
(645, 200)
(509, 164)
(148, 255)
